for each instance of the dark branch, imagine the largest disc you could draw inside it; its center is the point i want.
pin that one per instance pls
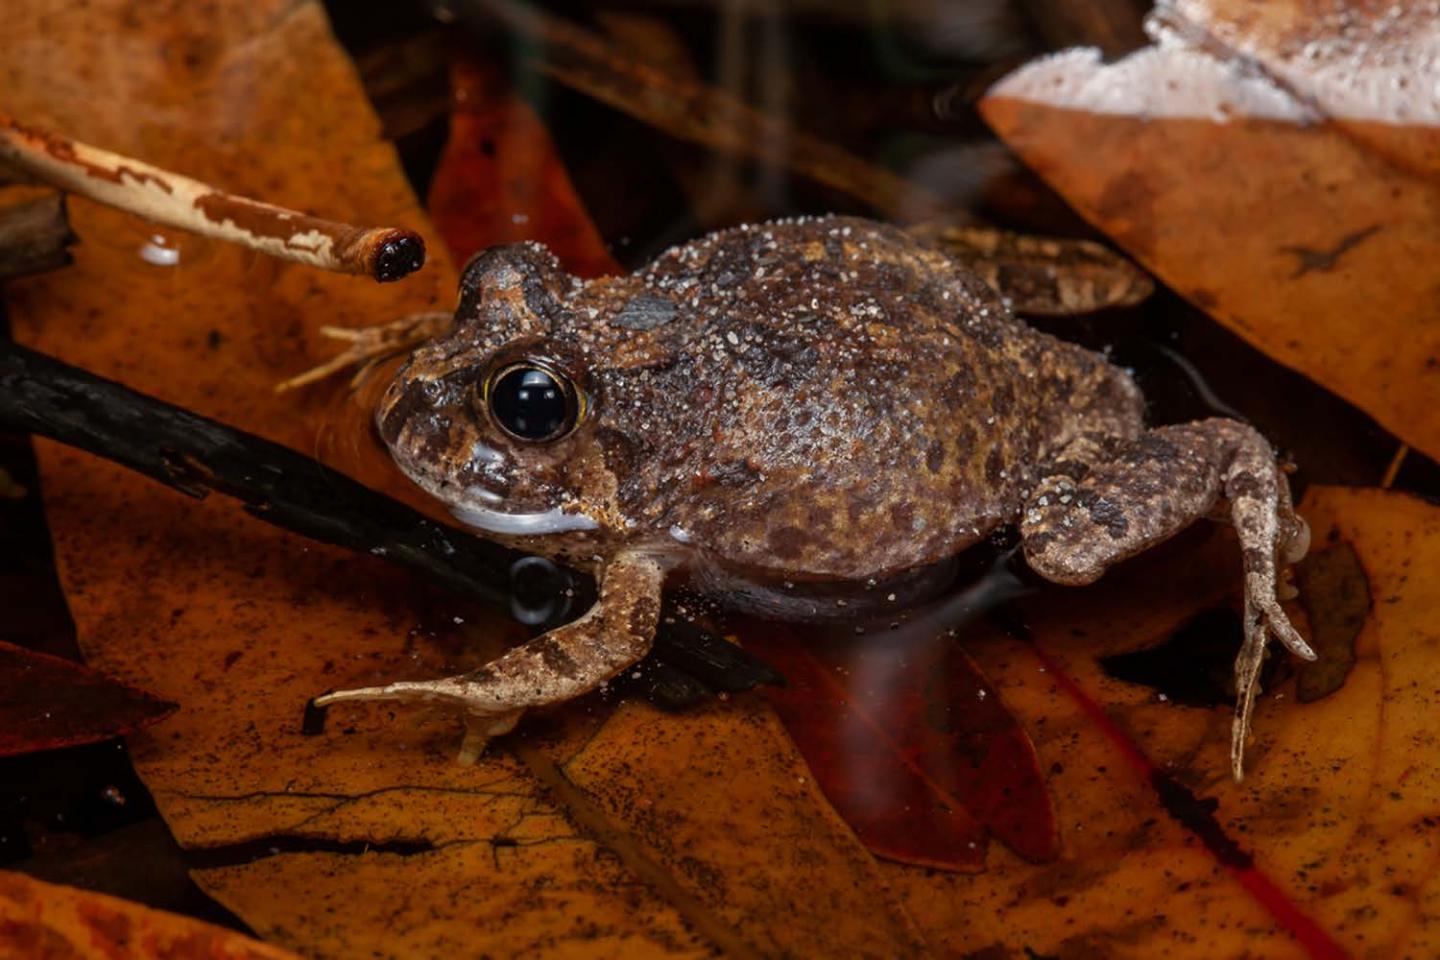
(195, 455)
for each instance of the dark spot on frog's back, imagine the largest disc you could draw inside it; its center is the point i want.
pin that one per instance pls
(935, 456)
(1002, 401)
(644, 313)
(995, 465)
(958, 388)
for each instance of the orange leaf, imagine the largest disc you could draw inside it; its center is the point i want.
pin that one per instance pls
(1325, 850)
(1288, 189)
(43, 921)
(48, 702)
(500, 179)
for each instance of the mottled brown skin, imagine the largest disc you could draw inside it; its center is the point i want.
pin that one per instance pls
(813, 400)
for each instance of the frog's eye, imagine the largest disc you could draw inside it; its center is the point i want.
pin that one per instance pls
(532, 401)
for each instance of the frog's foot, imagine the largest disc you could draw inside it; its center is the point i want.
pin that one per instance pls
(555, 667)
(371, 345)
(1270, 535)
(1106, 505)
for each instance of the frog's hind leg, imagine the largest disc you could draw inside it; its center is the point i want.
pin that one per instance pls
(1101, 505)
(557, 666)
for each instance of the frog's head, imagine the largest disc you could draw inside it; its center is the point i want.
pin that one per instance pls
(496, 418)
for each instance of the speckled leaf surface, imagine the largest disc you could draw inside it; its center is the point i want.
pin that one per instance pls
(367, 839)
(1329, 846)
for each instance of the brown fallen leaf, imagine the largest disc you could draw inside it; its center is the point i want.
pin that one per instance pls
(911, 744)
(48, 702)
(1276, 165)
(45, 921)
(630, 837)
(1328, 847)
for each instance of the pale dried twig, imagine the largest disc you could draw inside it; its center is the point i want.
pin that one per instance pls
(371, 345)
(384, 253)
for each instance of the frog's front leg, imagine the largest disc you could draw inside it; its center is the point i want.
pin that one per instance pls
(1102, 505)
(552, 668)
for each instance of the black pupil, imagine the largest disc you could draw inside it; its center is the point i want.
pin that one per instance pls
(530, 403)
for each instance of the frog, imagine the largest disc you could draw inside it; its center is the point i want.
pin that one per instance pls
(817, 400)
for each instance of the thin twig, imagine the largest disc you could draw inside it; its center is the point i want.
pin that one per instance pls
(384, 253)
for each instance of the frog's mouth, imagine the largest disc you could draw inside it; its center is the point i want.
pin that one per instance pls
(554, 520)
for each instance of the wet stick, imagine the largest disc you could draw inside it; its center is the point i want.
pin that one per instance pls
(383, 253)
(196, 455)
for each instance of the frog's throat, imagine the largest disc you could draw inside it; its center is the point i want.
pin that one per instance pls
(554, 520)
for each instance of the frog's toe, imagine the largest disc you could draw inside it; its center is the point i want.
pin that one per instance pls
(469, 691)
(480, 729)
(1280, 626)
(486, 716)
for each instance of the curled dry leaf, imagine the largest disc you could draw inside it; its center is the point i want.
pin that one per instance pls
(41, 921)
(1328, 847)
(1277, 164)
(48, 702)
(637, 838)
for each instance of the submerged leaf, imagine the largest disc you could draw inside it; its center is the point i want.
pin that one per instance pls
(48, 702)
(912, 745)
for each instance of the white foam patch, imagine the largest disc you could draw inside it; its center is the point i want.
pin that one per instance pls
(1380, 65)
(1157, 81)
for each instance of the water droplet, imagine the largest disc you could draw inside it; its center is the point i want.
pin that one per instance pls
(160, 251)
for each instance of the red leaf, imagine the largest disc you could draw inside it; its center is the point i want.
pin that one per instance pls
(47, 703)
(912, 745)
(500, 180)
